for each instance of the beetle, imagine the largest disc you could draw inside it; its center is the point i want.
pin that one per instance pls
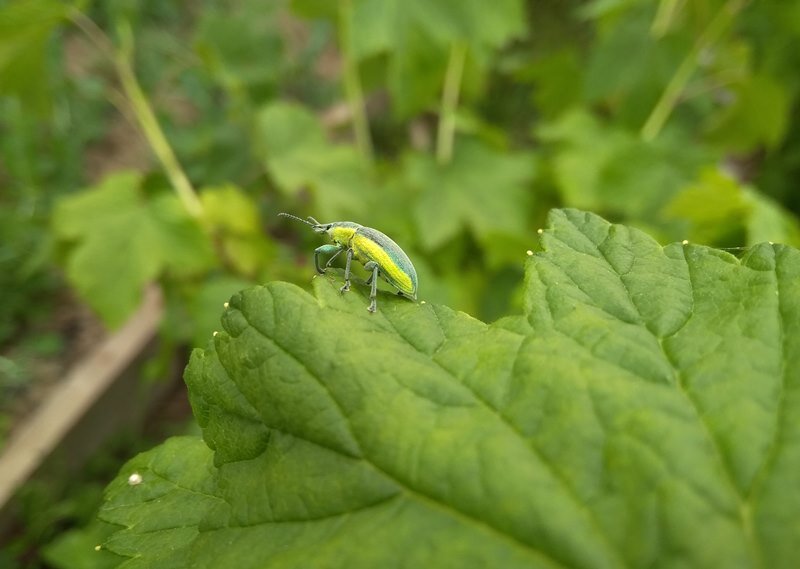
(379, 254)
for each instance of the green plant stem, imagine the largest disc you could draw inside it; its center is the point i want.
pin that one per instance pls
(667, 9)
(142, 110)
(352, 82)
(150, 126)
(669, 98)
(446, 132)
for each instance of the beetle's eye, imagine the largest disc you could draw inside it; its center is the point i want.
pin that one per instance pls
(328, 228)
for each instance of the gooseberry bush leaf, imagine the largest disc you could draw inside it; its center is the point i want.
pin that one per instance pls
(643, 411)
(119, 238)
(298, 156)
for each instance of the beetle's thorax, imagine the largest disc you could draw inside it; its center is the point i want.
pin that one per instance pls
(342, 232)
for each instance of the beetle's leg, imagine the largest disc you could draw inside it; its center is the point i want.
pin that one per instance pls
(346, 285)
(373, 279)
(332, 259)
(325, 250)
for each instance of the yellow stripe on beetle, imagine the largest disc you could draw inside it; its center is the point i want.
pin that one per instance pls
(365, 249)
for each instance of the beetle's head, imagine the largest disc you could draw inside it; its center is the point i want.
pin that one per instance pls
(319, 227)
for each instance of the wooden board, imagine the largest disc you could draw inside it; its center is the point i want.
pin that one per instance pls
(42, 432)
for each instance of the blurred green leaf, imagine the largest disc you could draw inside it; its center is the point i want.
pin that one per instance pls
(242, 46)
(581, 147)
(206, 302)
(299, 157)
(634, 415)
(233, 218)
(121, 239)
(384, 24)
(602, 167)
(768, 221)
(719, 210)
(323, 9)
(417, 36)
(714, 206)
(773, 30)
(558, 82)
(25, 30)
(470, 21)
(12, 376)
(415, 73)
(481, 189)
(228, 207)
(758, 115)
(183, 247)
(627, 68)
(640, 177)
(26, 281)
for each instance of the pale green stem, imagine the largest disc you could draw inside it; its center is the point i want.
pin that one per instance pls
(672, 92)
(149, 125)
(446, 131)
(141, 109)
(352, 82)
(667, 9)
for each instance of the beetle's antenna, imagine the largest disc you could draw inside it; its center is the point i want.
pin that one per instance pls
(298, 218)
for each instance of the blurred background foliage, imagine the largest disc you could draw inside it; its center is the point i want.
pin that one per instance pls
(156, 141)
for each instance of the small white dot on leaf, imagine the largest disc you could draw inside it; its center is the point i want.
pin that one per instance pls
(770, 242)
(225, 305)
(685, 242)
(540, 231)
(98, 547)
(215, 333)
(529, 252)
(135, 479)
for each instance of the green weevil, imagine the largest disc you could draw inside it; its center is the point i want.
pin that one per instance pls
(381, 256)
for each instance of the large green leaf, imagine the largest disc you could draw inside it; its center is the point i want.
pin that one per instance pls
(643, 412)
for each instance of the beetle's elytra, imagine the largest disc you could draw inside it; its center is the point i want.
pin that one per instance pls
(375, 250)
